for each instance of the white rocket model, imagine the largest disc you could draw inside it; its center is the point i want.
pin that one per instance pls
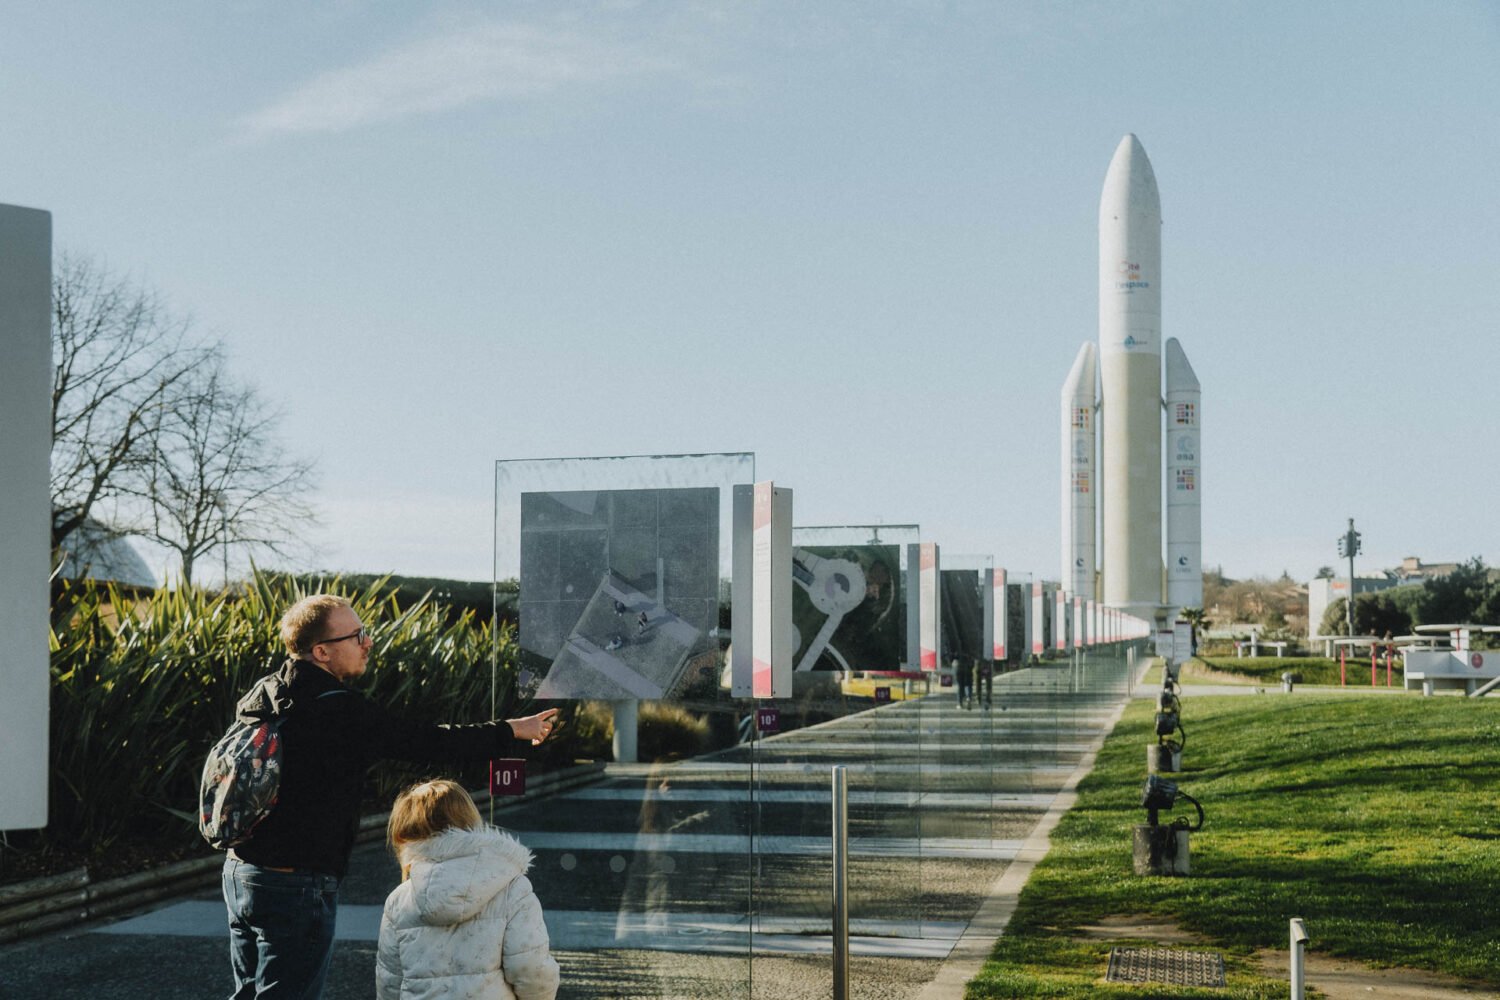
(1127, 490)
(1184, 482)
(1130, 359)
(1079, 477)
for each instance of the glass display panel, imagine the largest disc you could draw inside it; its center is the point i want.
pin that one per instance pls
(698, 862)
(617, 574)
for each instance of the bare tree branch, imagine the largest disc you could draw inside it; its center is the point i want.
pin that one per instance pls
(221, 479)
(117, 355)
(151, 437)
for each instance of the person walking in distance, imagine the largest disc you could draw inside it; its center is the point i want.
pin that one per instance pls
(281, 882)
(464, 923)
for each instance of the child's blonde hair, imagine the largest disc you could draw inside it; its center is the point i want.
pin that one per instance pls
(428, 808)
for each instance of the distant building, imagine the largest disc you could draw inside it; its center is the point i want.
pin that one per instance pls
(1414, 570)
(1321, 593)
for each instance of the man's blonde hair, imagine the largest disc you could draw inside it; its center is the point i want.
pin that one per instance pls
(305, 622)
(428, 808)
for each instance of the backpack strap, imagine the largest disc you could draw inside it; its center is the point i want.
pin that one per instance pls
(315, 706)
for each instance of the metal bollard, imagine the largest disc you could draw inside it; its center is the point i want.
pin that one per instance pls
(840, 883)
(1299, 942)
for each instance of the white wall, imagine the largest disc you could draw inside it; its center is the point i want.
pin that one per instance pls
(25, 512)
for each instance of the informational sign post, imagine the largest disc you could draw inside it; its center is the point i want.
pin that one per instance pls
(1060, 620)
(1165, 646)
(761, 663)
(25, 512)
(1182, 640)
(1001, 626)
(930, 608)
(1038, 624)
(987, 630)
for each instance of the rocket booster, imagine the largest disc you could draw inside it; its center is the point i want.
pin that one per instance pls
(1130, 362)
(1184, 481)
(1079, 476)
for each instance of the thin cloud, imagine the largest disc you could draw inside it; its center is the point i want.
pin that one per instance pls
(478, 64)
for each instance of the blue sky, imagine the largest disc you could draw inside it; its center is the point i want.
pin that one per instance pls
(859, 240)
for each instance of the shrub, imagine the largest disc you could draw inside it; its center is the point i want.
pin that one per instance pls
(142, 687)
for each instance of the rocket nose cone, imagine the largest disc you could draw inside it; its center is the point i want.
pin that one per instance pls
(1130, 155)
(1130, 179)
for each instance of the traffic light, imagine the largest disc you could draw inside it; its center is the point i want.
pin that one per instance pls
(1349, 543)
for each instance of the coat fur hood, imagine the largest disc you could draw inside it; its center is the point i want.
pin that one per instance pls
(457, 872)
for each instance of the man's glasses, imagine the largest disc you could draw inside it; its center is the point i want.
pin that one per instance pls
(361, 636)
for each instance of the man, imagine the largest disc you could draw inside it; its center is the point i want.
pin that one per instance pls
(965, 674)
(281, 884)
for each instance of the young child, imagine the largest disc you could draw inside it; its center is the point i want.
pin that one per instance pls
(464, 923)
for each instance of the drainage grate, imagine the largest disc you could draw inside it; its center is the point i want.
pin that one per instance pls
(1166, 965)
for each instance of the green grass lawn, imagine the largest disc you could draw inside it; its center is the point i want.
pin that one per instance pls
(1374, 819)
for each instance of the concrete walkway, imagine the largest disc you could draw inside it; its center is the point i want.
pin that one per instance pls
(644, 876)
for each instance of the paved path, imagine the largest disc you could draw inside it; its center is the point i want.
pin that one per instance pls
(711, 878)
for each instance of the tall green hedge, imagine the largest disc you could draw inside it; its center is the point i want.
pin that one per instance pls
(142, 687)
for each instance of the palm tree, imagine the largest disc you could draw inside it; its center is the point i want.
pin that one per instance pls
(1198, 619)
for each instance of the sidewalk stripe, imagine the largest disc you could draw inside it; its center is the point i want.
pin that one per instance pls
(768, 845)
(814, 796)
(594, 930)
(997, 747)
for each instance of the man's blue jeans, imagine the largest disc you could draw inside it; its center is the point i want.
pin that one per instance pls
(280, 931)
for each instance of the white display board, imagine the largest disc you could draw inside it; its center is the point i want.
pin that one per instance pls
(1060, 620)
(929, 613)
(763, 641)
(1038, 624)
(25, 512)
(1001, 626)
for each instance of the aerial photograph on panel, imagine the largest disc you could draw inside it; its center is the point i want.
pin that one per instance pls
(847, 607)
(619, 590)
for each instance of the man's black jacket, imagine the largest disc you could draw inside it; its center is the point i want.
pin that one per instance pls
(329, 743)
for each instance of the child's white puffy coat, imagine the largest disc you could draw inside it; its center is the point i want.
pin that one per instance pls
(466, 925)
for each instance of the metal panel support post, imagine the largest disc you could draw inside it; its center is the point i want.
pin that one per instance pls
(840, 883)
